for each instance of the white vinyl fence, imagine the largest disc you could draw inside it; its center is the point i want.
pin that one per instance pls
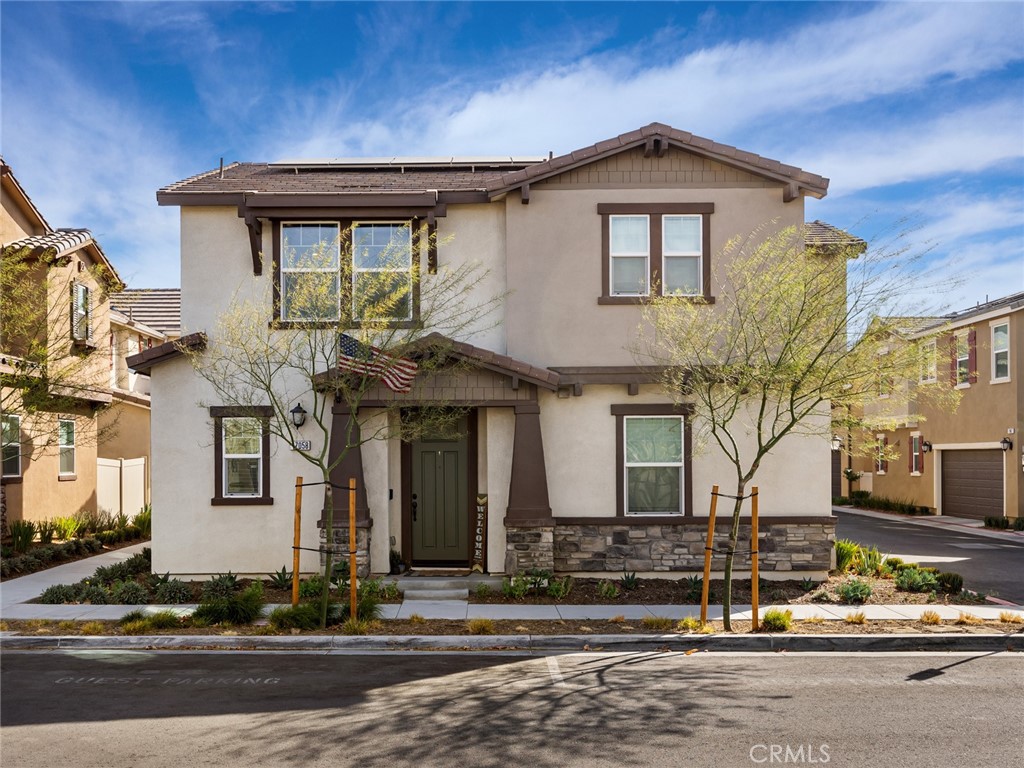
(121, 485)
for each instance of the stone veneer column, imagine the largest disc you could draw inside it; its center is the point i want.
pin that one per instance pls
(529, 526)
(345, 431)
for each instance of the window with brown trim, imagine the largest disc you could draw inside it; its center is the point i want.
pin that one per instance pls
(653, 450)
(11, 445)
(241, 452)
(661, 248)
(346, 271)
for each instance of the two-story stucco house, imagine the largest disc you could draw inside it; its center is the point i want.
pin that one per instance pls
(966, 462)
(54, 337)
(546, 473)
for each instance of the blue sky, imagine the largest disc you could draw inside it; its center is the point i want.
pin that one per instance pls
(914, 110)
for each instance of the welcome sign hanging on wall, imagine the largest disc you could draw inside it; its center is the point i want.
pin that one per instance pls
(479, 560)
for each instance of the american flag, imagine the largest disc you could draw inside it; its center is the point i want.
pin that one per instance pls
(397, 373)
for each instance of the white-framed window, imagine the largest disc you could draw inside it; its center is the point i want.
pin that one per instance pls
(682, 250)
(929, 364)
(382, 279)
(81, 312)
(916, 459)
(242, 438)
(66, 445)
(653, 453)
(881, 462)
(963, 360)
(10, 439)
(1001, 351)
(630, 253)
(310, 271)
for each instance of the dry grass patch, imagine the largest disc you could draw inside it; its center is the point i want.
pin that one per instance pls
(657, 623)
(930, 617)
(93, 628)
(857, 617)
(968, 618)
(617, 620)
(815, 619)
(1009, 617)
(417, 619)
(480, 626)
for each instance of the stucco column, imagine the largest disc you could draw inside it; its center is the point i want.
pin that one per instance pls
(528, 488)
(350, 466)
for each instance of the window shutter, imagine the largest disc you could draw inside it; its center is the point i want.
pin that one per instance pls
(972, 356)
(885, 461)
(88, 314)
(952, 360)
(920, 452)
(910, 454)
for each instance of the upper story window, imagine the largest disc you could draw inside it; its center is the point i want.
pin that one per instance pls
(66, 446)
(929, 369)
(353, 270)
(655, 248)
(964, 359)
(11, 445)
(881, 460)
(1001, 351)
(81, 313)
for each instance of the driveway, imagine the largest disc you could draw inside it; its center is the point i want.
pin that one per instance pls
(990, 565)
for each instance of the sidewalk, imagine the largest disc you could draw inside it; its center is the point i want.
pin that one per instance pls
(14, 594)
(965, 525)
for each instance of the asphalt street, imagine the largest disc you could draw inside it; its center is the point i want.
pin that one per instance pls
(148, 709)
(989, 565)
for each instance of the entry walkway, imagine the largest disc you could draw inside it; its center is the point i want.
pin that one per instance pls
(15, 594)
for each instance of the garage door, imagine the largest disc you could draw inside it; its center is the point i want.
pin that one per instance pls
(972, 483)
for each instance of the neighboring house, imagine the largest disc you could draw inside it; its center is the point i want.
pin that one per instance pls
(139, 320)
(54, 336)
(968, 462)
(547, 474)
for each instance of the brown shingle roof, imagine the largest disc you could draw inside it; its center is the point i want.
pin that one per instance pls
(159, 308)
(543, 377)
(820, 233)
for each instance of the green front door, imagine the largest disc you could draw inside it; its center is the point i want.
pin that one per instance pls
(440, 509)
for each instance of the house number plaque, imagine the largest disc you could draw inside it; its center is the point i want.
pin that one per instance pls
(479, 559)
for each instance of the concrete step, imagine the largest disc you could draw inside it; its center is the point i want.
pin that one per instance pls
(436, 594)
(455, 582)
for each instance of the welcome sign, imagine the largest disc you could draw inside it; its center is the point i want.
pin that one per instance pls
(479, 559)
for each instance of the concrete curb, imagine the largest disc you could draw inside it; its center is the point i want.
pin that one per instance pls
(539, 643)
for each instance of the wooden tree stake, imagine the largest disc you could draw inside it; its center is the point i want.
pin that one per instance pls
(352, 602)
(755, 623)
(296, 538)
(707, 557)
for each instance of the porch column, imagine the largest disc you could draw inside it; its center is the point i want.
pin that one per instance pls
(350, 466)
(529, 526)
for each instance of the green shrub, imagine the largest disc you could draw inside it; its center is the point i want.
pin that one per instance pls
(129, 593)
(67, 527)
(132, 532)
(173, 592)
(164, 620)
(143, 520)
(368, 607)
(868, 562)
(560, 588)
(693, 586)
(220, 587)
(807, 584)
(58, 594)
(90, 544)
(281, 579)
(22, 533)
(355, 627)
(516, 588)
(854, 591)
(629, 581)
(539, 579)
(311, 587)
(137, 627)
(371, 587)
(859, 497)
(776, 620)
(998, 522)
(950, 583)
(609, 590)
(239, 608)
(916, 580)
(47, 529)
(93, 594)
(137, 615)
(1018, 524)
(301, 616)
(390, 592)
(483, 590)
(840, 501)
(140, 563)
(45, 554)
(846, 554)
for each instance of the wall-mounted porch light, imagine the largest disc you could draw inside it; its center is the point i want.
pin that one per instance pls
(926, 447)
(837, 442)
(1006, 443)
(298, 415)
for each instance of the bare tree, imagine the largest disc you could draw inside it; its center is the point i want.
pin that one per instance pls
(347, 330)
(796, 333)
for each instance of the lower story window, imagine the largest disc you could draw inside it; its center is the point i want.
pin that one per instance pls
(653, 465)
(66, 445)
(11, 445)
(242, 455)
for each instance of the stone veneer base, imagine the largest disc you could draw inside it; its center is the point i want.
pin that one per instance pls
(340, 548)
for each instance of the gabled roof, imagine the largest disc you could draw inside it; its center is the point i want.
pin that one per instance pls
(488, 177)
(55, 245)
(485, 358)
(159, 308)
(656, 138)
(13, 190)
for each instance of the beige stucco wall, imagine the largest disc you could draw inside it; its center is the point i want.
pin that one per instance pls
(792, 479)
(555, 266)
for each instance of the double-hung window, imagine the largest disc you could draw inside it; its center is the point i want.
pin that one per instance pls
(963, 359)
(929, 370)
(359, 271)
(11, 445)
(653, 465)
(1001, 351)
(310, 271)
(66, 446)
(916, 459)
(81, 313)
(241, 446)
(655, 249)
